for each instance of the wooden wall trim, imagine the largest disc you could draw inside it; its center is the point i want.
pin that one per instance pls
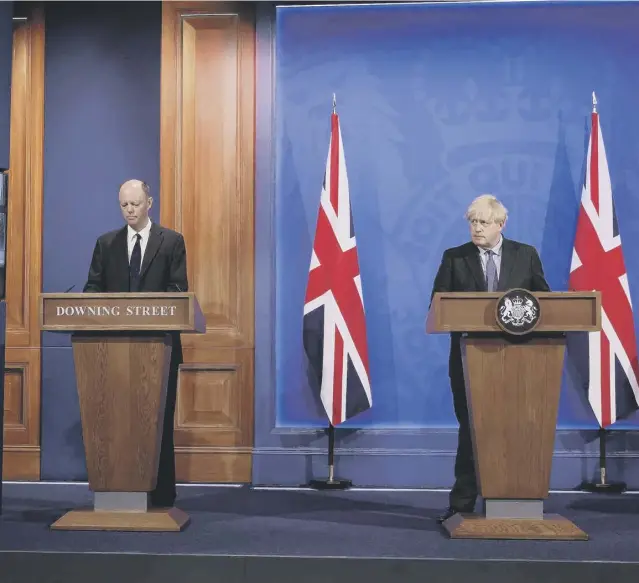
(24, 246)
(170, 99)
(207, 136)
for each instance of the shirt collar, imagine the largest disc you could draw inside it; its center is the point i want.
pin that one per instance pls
(144, 233)
(496, 249)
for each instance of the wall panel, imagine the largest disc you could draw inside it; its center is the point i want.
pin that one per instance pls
(207, 155)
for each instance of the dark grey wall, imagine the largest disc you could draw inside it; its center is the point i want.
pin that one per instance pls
(6, 37)
(102, 127)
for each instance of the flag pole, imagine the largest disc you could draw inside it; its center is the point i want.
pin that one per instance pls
(331, 483)
(603, 486)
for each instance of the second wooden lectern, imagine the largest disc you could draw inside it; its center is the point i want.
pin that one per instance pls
(513, 347)
(122, 349)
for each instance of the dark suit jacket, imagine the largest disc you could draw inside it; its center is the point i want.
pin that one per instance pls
(163, 269)
(461, 270)
(163, 266)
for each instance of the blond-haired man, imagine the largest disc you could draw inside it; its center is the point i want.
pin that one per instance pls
(489, 262)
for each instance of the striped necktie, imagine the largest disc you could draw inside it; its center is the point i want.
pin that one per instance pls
(491, 272)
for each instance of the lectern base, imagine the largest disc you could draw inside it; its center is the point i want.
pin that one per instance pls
(155, 520)
(551, 527)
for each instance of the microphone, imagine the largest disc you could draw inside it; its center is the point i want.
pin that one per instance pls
(66, 291)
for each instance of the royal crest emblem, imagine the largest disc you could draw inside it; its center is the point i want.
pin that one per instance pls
(518, 312)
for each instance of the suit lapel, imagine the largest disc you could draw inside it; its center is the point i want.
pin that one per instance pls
(474, 265)
(508, 257)
(121, 251)
(152, 248)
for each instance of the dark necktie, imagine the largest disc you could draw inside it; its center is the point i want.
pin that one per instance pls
(136, 260)
(491, 272)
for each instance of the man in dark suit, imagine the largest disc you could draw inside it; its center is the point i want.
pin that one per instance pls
(144, 257)
(489, 262)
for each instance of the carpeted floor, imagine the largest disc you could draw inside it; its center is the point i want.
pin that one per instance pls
(242, 521)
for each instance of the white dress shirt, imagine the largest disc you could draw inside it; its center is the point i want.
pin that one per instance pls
(483, 255)
(144, 234)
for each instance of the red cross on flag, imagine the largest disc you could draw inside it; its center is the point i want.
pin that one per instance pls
(334, 327)
(598, 265)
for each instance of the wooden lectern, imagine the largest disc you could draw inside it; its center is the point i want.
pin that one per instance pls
(512, 387)
(122, 350)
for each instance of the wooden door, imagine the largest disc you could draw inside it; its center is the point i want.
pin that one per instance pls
(206, 193)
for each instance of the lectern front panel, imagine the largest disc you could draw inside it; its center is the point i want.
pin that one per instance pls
(476, 312)
(122, 312)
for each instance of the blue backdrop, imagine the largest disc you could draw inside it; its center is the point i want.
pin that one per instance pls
(438, 104)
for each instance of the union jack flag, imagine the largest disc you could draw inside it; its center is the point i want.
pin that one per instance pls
(598, 265)
(334, 327)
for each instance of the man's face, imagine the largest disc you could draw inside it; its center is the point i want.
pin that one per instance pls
(135, 206)
(485, 232)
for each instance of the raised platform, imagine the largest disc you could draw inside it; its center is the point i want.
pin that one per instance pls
(276, 536)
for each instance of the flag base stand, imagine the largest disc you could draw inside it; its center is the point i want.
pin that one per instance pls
(331, 483)
(603, 486)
